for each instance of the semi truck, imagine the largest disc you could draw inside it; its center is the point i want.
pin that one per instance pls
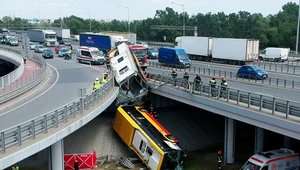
(131, 37)
(100, 41)
(224, 50)
(45, 37)
(62, 34)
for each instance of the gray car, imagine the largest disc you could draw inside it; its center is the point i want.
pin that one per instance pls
(13, 42)
(39, 48)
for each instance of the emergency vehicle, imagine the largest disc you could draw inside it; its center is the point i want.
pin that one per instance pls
(281, 159)
(90, 55)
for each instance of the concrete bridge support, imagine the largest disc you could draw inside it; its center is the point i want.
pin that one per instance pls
(287, 142)
(259, 140)
(57, 155)
(229, 141)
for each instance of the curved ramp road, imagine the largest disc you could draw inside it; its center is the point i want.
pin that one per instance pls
(71, 76)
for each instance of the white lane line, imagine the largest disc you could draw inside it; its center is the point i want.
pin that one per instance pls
(37, 95)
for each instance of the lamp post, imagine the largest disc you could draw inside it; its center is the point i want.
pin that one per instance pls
(89, 17)
(183, 30)
(298, 29)
(61, 18)
(38, 15)
(128, 16)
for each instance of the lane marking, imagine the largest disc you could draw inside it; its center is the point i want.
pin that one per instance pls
(57, 78)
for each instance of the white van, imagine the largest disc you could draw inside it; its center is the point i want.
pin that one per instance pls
(90, 55)
(274, 54)
(281, 159)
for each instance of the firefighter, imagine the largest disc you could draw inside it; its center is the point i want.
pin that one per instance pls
(212, 84)
(220, 157)
(25, 59)
(197, 81)
(174, 74)
(186, 76)
(96, 84)
(224, 85)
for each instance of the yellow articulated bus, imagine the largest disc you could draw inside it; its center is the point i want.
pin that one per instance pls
(148, 139)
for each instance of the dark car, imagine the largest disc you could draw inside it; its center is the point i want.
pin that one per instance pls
(252, 71)
(64, 42)
(152, 53)
(47, 53)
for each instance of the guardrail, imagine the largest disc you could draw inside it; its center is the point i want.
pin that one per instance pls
(30, 129)
(257, 102)
(230, 75)
(284, 67)
(22, 85)
(158, 44)
(14, 75)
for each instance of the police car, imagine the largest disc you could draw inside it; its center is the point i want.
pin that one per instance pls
(90, 55)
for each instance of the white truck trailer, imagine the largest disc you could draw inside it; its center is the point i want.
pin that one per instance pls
(45, 37)
(197, 48)
(62, 34)
(131, 37)
(234, 51)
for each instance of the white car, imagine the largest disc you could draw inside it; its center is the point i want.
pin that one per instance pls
(32, 45)
(142, 44)
(39, 48)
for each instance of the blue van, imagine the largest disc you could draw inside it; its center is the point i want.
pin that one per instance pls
(173, 56)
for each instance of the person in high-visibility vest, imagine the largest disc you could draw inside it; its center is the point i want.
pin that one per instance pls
(96, 84)
(104, 79)
(224, 85)
(15, 167)
(212, 84)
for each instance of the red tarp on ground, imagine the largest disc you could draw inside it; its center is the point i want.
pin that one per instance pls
(87, 160)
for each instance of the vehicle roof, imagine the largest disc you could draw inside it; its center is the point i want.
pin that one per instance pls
(137, 47)
(88, 48)
(273, 155)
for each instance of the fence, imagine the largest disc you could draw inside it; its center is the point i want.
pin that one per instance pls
(254, 101)
(14, 75)
(232, 75)
(22, 85)
(28, 130)
(286, 67)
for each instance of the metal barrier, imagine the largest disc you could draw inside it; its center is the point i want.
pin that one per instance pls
(286, 67)
(231, 75)
(158, 44)
(14, 75)
(24, 84)
(254, 101)
(30, 129)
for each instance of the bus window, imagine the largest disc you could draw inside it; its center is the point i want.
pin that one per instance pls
(142, 146)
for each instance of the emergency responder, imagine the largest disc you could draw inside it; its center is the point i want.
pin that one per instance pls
(108, 63)
(212, 84)
(174, 74)
(70, 52)
(220, 157)
(104, 79)
(155, 115)
(15, 167)
(186, 76)
(224, 85)
(96, 84)
(197, 81)
(25, 59)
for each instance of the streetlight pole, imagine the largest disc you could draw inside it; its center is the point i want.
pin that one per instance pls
(183, 16)
(61, 19)
(297, 39)
(128, 16)
(38, 15)
(89, 18)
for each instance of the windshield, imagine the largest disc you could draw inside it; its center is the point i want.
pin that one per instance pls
(256, 68)
(41, 46)
(182, 56)
(13, 39)
(250, 166)
(97, 53)
(153, 50)
(174, 160)
(139, 52)
(50, 36)
(47, 52)
(63, 50)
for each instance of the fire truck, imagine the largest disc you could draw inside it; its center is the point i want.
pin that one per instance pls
(280, 159)
(140, 53)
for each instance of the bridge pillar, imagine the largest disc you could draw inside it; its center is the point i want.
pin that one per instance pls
(57, 155)
(259, 140)
(229, 141)
(287, 142)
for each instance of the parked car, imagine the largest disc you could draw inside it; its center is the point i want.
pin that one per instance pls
(39, 48)
(13, 42)
(57, 48)
(62, 52)
(252, 71)
(47, 53)
(142, 44)
(152, 53)
(64, 42)
(32, 45)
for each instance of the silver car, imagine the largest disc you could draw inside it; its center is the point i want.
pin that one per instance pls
(32, 45)
(39, 48)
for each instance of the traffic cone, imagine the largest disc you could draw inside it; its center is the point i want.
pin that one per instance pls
(102, 69)
(90, 65)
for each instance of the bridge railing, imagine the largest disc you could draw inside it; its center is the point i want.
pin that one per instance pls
(23, 84)
(14, 75)
(14, 136)
(231, 75)
(255, 101)
(284, 67)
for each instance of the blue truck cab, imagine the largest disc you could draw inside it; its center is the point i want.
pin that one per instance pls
(173, 56)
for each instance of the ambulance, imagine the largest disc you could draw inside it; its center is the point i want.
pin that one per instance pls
(281, 159)
(90, 55)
